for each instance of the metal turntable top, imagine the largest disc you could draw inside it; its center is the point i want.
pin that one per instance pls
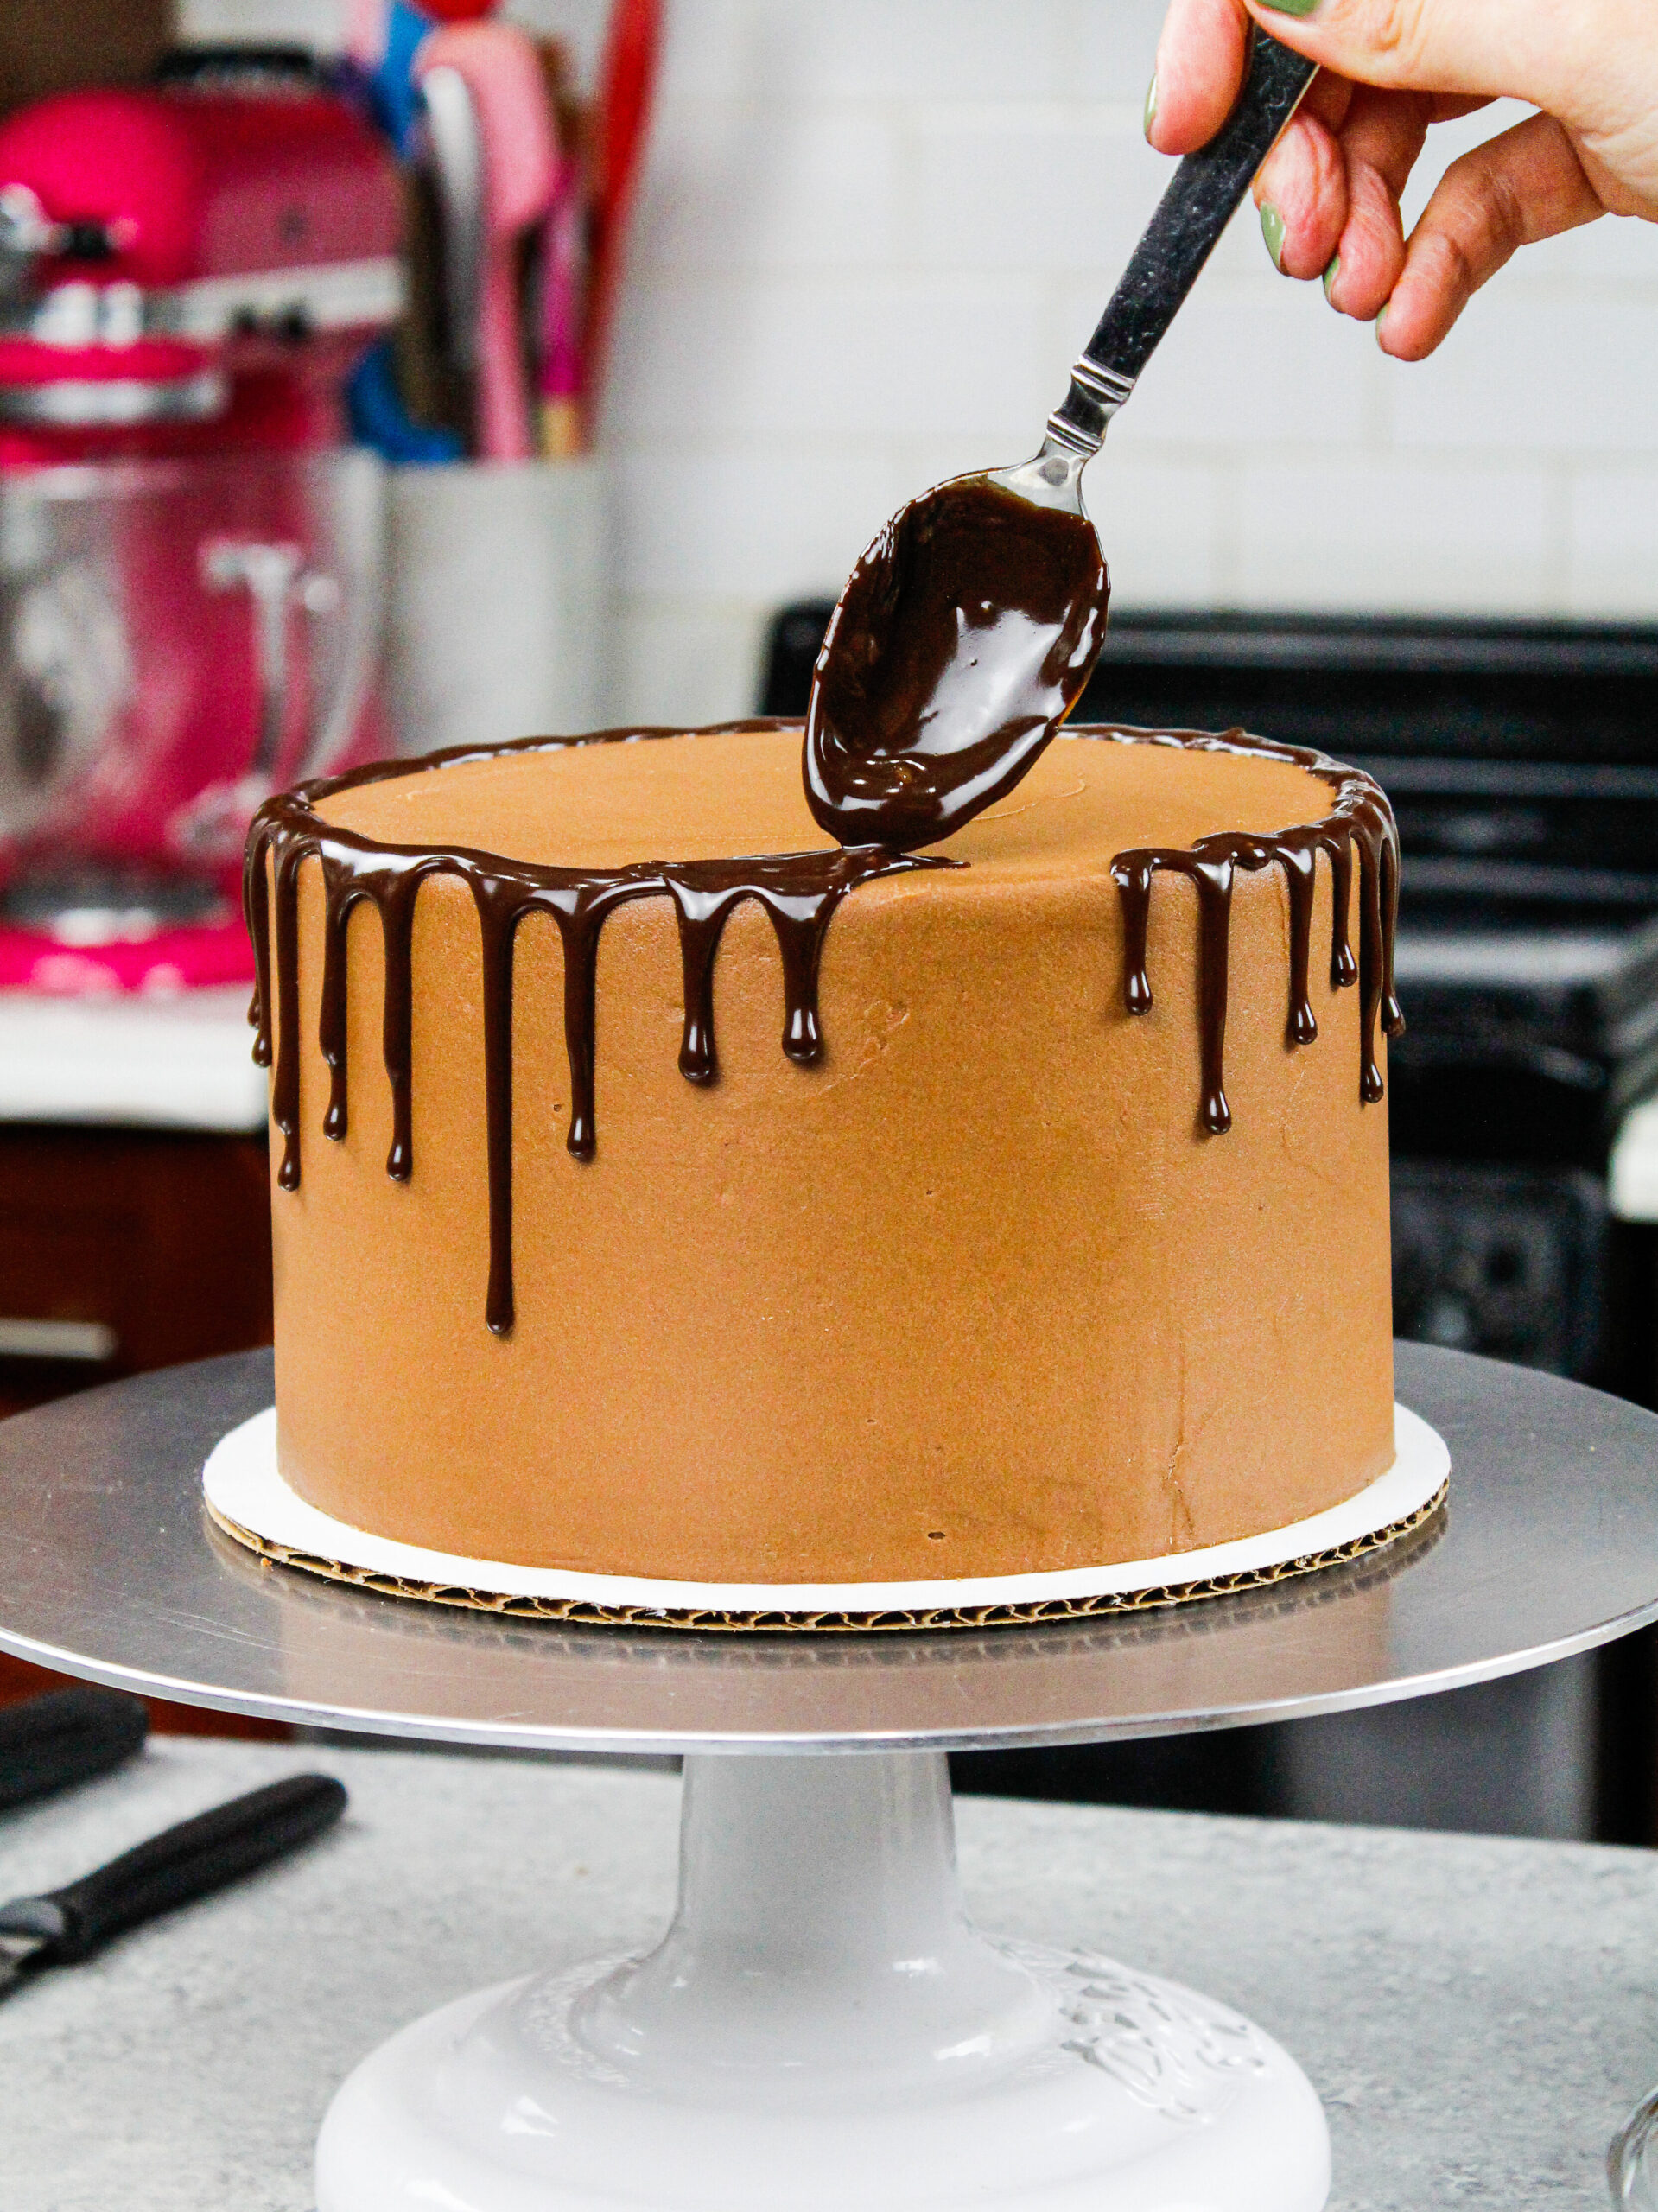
(109, 1568)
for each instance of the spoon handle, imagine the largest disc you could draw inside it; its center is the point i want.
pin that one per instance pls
(1183, 233)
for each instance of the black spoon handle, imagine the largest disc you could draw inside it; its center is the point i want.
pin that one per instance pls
(1200, 201)
(189, 1861)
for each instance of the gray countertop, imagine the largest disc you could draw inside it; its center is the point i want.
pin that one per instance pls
(1476, 2015)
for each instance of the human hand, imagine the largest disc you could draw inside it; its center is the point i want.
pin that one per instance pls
(1328, 193)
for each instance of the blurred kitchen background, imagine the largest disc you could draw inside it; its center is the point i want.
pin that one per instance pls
(768, 267)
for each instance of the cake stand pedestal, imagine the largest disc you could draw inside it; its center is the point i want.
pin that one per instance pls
(820, 2026)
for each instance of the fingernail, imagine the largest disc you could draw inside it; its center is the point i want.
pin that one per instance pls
(1151, 103)
(1331, 274)
(1272, 229)
(1292, 7)
(1381, 318)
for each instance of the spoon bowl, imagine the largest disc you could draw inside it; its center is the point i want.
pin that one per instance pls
(961, 641)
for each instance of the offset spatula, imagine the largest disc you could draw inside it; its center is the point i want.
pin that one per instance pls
(183, 1863)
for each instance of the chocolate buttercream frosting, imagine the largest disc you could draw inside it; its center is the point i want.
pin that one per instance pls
(799, 893)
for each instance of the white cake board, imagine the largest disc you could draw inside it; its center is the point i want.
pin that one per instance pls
(247, 1495)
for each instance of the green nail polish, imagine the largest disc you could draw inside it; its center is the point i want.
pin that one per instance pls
(1381, 318)
(1272, 229)
(1151, 103)
(1292, 7)
(1331, 274)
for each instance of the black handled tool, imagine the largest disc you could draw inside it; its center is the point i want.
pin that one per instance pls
(182, 1863)
(45, 1743)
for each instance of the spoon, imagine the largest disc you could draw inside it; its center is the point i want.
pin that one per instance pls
(967, 631)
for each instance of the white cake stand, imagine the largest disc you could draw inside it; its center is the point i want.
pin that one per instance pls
(820, 2026)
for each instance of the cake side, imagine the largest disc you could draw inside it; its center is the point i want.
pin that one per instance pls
(974, 1294)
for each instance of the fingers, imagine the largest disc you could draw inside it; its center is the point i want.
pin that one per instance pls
(1588, 61)
(1484, 47)
(1302, 189)
(1526, 184)
(1384, 136)
(1200, 63)
(1329, 192)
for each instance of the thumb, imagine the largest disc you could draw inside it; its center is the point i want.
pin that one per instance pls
(1529, 49)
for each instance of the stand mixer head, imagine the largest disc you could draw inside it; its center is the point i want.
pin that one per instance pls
(190, 565)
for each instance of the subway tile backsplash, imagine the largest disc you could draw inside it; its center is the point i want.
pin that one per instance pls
(1316, 531)
(874, 233)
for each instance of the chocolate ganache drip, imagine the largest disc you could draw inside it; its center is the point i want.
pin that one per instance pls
(799, 893)
(1360, 821)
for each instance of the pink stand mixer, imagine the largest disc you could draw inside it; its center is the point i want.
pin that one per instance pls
(191, 560)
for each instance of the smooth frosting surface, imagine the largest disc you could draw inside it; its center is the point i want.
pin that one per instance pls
(723, 795)
(972, 1287)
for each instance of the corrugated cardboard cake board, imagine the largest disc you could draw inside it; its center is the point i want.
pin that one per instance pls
(247, 1497)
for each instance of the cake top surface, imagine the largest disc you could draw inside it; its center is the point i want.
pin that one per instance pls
(729, 793)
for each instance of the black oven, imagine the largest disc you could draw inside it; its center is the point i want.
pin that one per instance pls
(1522, 763)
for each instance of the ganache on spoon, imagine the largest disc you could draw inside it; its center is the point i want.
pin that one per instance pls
(967, 631)
(961, 641)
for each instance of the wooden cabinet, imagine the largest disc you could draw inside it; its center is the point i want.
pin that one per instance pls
(123, 1250)
(51, 46)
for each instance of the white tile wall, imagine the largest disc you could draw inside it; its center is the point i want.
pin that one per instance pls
(1034, 187)
(872, 233)
(311, 23)
(1563, 368)
(1449, 535)
(765, 522)
(1612, 520)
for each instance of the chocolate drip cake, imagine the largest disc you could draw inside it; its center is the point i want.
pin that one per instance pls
(838, 1215)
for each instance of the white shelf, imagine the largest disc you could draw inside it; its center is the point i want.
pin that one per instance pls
(1632, 1177)
(183, 1062)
